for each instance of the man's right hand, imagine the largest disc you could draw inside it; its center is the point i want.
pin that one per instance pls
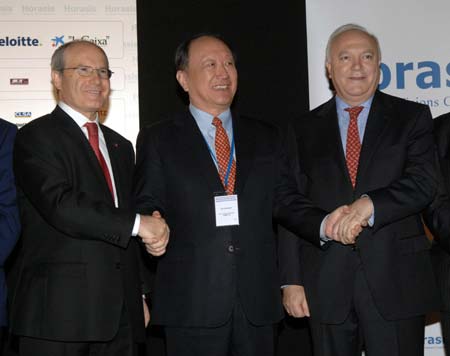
(154, 233)
(294, 301)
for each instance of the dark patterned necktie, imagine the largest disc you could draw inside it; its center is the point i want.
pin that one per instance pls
(222, 147)
(353, 145)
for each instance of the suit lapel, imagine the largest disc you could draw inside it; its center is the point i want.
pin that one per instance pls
(68, 125)
(329, 127)
(194, 149)
(376, 123)
(245, 150)
(113, 151)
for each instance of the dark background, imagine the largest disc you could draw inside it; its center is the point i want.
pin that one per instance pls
(269, 39)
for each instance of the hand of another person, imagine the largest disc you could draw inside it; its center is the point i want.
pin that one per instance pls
(294, 301)
(333, 218)
(348, 227)
(154, 233)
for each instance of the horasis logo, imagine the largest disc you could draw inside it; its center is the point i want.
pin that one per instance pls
(427, 74)
(424, 81)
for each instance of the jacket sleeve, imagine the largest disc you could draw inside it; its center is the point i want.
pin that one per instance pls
(49, 178)
(416, 187)
(9, 215)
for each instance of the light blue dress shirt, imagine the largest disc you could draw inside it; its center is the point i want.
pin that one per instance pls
(343, 121)
(208, 130)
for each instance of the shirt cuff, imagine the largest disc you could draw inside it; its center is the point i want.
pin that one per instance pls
(371, 220)
(137, 223)
(323, 238)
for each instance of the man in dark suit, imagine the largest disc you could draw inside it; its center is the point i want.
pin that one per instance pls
(9, 214)
(376, 151)
(80, 282)
(437, 217)
(216, 289)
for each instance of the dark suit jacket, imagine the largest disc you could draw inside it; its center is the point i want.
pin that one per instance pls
(396, 171)
(9, 214)
(78, 266)
(206, 269)
(437, 215)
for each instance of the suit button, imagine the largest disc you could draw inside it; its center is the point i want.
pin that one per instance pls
(118, 265)
(231, 249)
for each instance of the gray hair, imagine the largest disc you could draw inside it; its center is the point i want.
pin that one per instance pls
(57, 62)
(345, 28)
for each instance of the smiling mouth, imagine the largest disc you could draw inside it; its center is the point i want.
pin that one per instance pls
(221, 87)
(93, 92)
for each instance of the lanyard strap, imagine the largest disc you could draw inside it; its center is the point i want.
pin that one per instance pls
(230, 159)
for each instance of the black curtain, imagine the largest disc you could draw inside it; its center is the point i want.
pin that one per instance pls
(269, 39)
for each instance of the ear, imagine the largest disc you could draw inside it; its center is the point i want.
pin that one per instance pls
(56, 79)
(182, 80)
(328, 67)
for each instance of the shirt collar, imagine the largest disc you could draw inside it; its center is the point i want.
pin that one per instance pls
(342, 105)
(79, 118)
(201, 115)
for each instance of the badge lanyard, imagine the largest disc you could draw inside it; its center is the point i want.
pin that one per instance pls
(230, 159)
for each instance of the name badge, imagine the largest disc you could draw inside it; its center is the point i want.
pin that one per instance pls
(227, 213)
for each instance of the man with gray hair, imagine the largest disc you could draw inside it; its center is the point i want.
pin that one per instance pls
(80, 278)
(373, 152)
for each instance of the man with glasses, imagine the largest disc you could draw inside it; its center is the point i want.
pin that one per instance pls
(80, 287)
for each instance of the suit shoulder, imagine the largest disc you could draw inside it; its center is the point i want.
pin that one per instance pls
(401, 104)
(303, 121)
(6, 125)
(114, 135)
(263, 128)
(161, 125)
(260, 123)
(43, 123)
(442, 122)
(7, 133)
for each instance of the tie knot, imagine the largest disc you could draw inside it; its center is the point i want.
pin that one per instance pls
(354, 111)
(92, 128)
(217, 122)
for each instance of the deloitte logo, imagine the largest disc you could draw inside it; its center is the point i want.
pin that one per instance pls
(19, 41)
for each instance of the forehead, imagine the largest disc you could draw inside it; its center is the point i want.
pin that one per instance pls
(84, 53)
(208, 46)
(353, 39)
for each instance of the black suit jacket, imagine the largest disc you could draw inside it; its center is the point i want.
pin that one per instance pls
(9, 214)
(77, 266)
(437, 215)
(206, 269)
(396, 171)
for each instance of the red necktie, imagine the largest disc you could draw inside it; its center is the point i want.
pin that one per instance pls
(353, 146)
(222, 146)
(93, 140)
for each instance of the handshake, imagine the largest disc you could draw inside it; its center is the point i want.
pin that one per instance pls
(346, 222)
(154, 233)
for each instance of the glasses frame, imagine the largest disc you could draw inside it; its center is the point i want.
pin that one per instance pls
(88, 71)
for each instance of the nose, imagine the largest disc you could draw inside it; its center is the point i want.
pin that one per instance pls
(222, 70)
(356, 63)
(95, 76)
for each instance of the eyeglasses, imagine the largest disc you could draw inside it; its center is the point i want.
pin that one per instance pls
(85, 71)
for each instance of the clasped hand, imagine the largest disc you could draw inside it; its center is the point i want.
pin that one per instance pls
(346, 222)
(154, 233)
